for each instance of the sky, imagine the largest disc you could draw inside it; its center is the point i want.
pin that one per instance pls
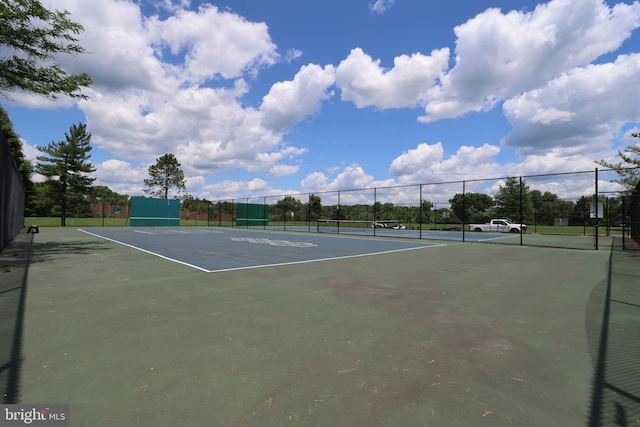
(266, 97)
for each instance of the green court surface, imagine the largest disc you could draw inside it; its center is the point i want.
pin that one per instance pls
(461, 334)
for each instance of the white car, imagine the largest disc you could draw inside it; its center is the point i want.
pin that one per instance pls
(399, 227)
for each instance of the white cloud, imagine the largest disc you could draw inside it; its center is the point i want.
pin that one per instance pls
(578, 111)
(353, 176)
(171, 5)
(122, 177)
(182, 85)
(502, 55)
(364, 82)
(229, 189)
(194, 183)
(292, 54)
(289, 101)
(256, 184)
(315, 181)
(213, 42)
(158, 88)
(381, 6)
(427, 163)
(29, 151)
(118, 171)
(120, 54)
(283, 170)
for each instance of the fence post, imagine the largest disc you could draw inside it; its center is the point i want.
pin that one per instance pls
(375, 210)
(464, 208)
(596, 207)
(521, 217)
(420, 213)
(624, 221)
(309, 213)
(338, 212)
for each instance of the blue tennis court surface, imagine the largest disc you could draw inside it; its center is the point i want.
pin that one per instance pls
(225, 249)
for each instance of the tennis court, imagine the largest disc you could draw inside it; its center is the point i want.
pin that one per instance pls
(174, 326)
(224, 249)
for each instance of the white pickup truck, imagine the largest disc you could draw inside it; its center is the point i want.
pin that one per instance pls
(499, 225)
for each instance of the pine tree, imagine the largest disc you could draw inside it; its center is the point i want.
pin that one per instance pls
(165, 175)
(66, 164)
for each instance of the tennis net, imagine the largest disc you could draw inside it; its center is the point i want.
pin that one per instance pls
(355, 226)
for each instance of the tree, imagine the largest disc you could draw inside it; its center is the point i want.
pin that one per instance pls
(547, 207)
(103, 194)
(285, 207)
(193, 204)
(315, 207)
(424, 213)
(629, 171)
(65, 164)
(165, 174)
(24, 166)
(512, 199)
(32, 37)
(477, 207)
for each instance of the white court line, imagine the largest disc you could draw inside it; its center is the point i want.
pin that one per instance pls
(322, 259)
(146, 251)
(251, 267)
(368, 237)
(137, 231)
(493, 238)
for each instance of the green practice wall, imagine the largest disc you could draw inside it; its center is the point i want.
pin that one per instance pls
(154, 212)
(252, 215)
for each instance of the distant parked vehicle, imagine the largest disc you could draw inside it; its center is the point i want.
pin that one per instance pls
(376, 224)
(499, 225)
(399, 227)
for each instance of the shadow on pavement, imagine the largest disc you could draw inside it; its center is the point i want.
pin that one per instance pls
(615, 399)
(13, 293)
(15, 261)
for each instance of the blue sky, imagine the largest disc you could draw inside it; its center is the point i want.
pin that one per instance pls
(265, 97)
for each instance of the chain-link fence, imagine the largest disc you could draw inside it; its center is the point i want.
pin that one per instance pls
(580, 210)
(12, 196)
